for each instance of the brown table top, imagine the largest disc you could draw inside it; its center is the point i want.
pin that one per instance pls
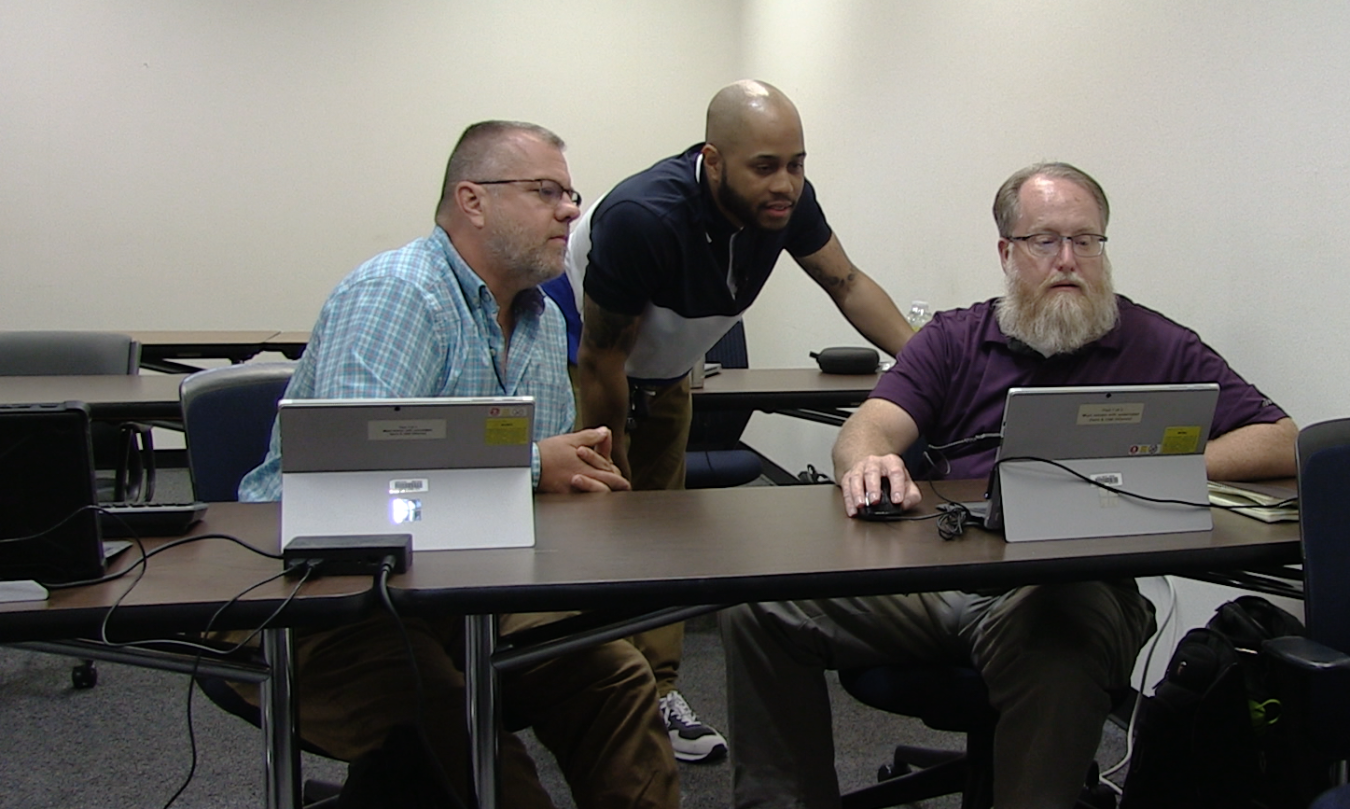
(193, 337)
(163, 350)
(155, 396)
(290, 343)
(772, 389)
(111, 397)
(289, 337)
(760, 543)
(183, 586)
(645, 550)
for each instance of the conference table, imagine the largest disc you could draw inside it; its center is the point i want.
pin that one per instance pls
(801, 392)
(290, 343)
(635, 559)
(181, 590)
(154, 397)
(162, 350)
(116, 397)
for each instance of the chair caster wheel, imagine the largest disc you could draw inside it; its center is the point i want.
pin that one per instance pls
(894, 770)
(1096, 795)
(84, 676)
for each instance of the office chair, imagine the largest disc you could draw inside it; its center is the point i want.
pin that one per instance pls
(124, 453)
(227, 417)
(1334, 798)
(715, 458)
(950, 698)
(1314, 671)
(228, 414)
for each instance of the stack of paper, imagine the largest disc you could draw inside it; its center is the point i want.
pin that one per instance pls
(1267, 502)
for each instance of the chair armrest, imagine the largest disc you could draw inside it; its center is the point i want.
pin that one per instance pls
(1306, 654)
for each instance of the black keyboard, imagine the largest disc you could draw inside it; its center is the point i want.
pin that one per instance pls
(148, 519)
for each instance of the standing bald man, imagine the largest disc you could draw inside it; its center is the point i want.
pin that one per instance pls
(662, 267)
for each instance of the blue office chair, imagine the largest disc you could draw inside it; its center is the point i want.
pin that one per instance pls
(715, 457)
(228, 414)
(1334, 798)
(1314, 671)
(124, 454)
(227, 417)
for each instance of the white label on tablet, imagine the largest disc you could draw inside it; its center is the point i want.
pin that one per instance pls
(1114, 413)
(405, 429)
(409, 485)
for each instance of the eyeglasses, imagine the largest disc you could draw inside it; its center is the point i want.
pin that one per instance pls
(1048, 245)
(550, 191)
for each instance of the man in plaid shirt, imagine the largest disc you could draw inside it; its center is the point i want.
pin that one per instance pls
(458, 313)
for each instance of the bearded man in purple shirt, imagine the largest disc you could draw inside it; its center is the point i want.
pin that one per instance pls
(1049, 654)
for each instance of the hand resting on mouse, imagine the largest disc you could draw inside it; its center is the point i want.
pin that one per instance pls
(869, 488)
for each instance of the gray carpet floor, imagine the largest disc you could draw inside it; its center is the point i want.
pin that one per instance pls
(125, 743)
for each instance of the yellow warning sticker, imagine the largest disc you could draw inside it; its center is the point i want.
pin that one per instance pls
(503, 432)
(1180, 440)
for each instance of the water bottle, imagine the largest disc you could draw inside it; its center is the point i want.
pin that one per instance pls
(919, 314)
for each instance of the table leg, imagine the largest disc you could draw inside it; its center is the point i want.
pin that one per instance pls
(480, 681)
(279, 726)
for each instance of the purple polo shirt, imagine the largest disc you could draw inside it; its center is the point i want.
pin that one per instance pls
(953, 376)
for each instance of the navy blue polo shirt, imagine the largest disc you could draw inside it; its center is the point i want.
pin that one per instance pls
(657, 246)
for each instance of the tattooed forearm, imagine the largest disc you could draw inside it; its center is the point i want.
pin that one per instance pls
(828, 281)
(607, 331)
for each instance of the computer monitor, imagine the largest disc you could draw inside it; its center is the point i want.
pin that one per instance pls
(49, 529)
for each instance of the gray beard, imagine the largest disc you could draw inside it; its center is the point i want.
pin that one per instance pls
(532, 265)
(1057, 324)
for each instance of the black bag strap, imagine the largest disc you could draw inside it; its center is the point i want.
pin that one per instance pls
(1249, 620)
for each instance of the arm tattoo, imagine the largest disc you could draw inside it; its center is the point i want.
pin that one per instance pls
(608, 331)
(830, 282)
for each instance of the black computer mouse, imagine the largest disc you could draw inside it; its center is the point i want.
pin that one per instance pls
(883, 509)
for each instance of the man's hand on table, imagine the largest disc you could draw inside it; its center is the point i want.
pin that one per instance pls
(861, 484)
(579, 462)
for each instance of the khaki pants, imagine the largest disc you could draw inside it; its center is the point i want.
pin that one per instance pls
(1049, 655)
(594, 709)
(656, 447)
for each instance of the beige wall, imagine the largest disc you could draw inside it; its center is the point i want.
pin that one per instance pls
(213, 164)
(1219, 130)
(221, 164)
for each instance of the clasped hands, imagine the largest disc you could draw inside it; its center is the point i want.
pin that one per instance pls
(580, 462)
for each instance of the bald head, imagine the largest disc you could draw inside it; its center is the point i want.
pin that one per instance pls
(754, 157)
(743, 110)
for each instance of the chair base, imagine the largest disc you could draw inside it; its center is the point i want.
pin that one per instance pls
(320, 794)
(920, 773)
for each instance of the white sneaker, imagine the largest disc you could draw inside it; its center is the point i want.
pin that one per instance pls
(693, 741)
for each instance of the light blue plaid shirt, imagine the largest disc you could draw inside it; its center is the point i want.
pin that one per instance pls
(417, 322)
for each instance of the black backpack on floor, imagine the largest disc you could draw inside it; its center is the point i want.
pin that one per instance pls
(1211, 734)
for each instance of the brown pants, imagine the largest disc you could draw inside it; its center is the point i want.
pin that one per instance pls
(656, 447)
(594, 709)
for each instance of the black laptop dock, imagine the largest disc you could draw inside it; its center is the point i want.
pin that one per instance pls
(349, 555)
